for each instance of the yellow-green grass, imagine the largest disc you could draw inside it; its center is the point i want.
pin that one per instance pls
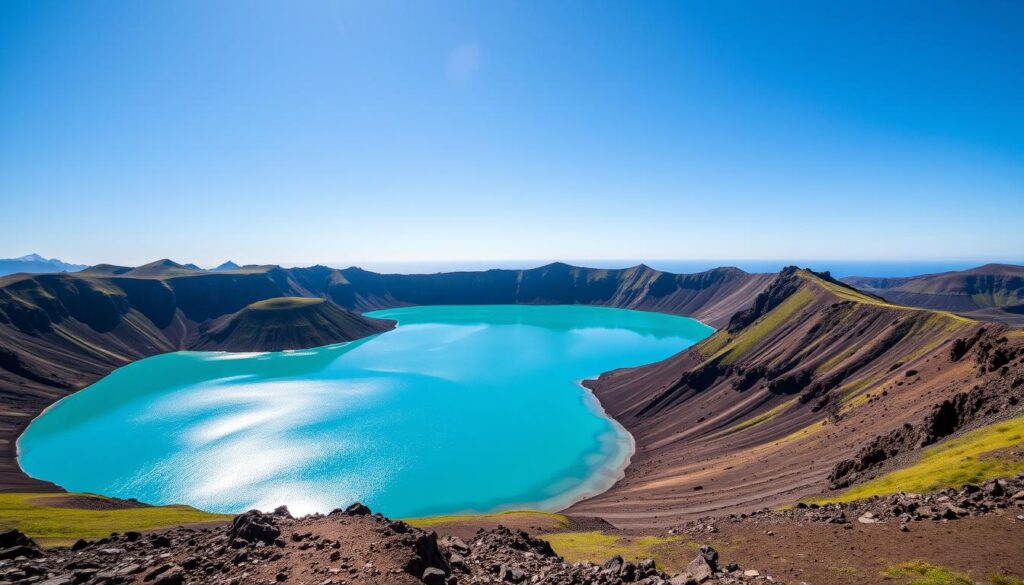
(51, 525)
(550, 519)
(841, 291)
(918, 572)
(671, 553)
(712, 345)
(922, 573)
(951, 463)
(766, 324)
(849, 294)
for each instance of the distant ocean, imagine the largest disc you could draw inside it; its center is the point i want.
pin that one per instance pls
(838, 268)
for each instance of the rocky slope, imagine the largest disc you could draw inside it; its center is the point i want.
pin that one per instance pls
(993, 292)
(355, 547)
(351, 547)
(815, 386)
(61, 332)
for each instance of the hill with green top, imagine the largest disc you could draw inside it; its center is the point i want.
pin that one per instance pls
(993, 292)
(284, 323)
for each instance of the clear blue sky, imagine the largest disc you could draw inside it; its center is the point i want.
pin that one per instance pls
(300, 132)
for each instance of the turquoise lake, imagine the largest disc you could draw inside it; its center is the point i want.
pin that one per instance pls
(459, 409)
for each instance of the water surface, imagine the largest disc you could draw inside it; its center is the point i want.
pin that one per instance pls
(461, 408)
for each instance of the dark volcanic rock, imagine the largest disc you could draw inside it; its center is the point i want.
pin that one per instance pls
(254, 526)
(358, 509)
(363, 549)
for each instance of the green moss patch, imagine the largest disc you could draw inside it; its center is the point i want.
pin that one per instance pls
(918, 572)
(972, 458)
(55, 525)
(922, 573)
(671, 553)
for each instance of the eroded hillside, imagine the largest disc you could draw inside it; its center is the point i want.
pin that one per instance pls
(788, 399)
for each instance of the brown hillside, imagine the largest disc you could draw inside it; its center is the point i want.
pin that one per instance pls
(761, 413)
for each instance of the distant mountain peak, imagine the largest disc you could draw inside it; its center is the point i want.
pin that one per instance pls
(34, 258)
(36, 264)
(229, 265)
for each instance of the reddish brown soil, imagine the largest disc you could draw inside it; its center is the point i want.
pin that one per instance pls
(824, 554)
(86, 503)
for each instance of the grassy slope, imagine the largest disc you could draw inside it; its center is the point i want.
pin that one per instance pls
(55, 526)
(971, 458)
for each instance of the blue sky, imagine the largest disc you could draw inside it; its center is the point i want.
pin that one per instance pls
(338, 132)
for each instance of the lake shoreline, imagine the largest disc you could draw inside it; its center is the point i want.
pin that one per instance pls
(619, 445)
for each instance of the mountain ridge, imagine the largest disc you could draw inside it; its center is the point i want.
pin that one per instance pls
(36, 264)
(61, 332)
(991, 292)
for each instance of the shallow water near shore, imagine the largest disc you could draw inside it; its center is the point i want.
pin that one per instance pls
(459, 409)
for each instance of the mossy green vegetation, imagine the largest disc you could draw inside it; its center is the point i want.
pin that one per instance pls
(712, 345)
(671, 553)
(918, 572)
(548, 519)
(971, 458)
(45, 518)
(921, 573)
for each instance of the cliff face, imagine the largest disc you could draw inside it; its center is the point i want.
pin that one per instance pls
(993, 292)
(61, 332)
(778, 404)
(711, 297)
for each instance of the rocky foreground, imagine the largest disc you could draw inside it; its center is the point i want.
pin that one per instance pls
(344, 547)
(354, 546)
(903, 508)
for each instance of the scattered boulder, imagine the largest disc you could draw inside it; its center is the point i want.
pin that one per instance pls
(14, 544)
(254, 526)
(434, 576)
(358, 509)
